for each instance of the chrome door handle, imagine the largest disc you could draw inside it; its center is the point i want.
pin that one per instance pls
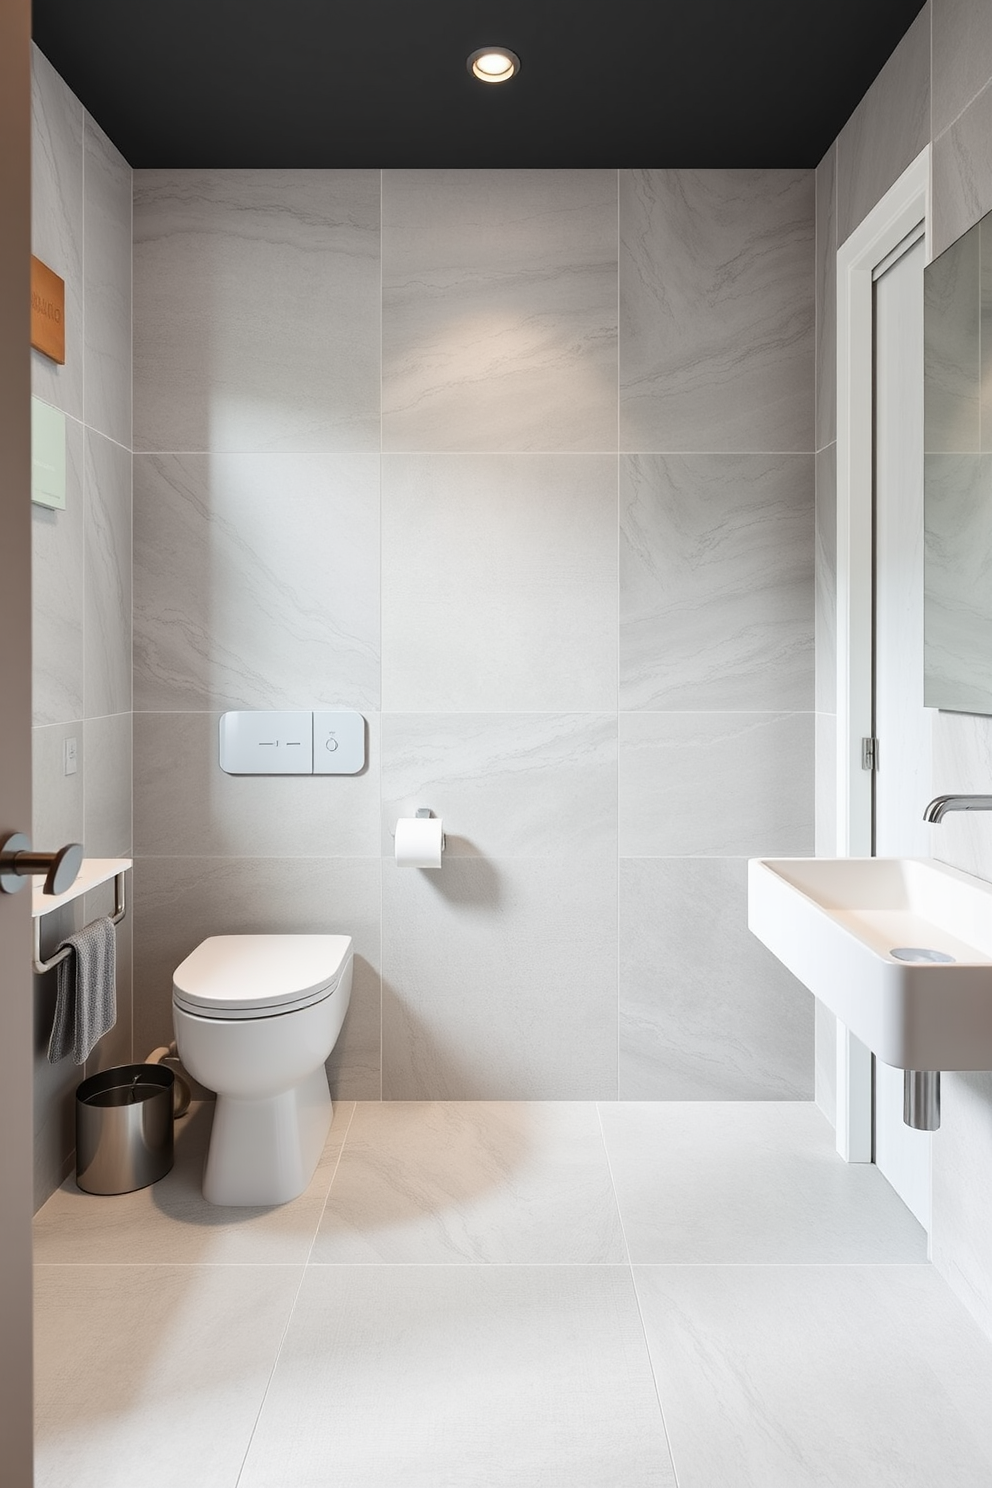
(18, 863)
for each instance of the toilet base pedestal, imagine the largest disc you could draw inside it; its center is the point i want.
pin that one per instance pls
(266, 1151)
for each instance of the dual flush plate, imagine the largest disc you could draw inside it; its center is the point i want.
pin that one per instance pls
(263, 743)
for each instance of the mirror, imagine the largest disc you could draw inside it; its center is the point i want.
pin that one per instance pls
(958, 475)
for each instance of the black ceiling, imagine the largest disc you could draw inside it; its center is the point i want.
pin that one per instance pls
(384, 82)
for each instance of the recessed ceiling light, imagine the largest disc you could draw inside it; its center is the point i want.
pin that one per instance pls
(493, 64)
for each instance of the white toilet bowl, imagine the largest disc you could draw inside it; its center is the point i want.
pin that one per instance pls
(255, 1018)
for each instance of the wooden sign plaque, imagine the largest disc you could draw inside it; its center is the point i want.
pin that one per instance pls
(47, 311)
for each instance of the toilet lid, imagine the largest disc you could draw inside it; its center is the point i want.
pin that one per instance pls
(228, 974)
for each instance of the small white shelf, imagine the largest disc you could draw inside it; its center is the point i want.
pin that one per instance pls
(94, 872)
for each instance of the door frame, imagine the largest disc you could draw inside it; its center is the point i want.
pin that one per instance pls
(901, 209)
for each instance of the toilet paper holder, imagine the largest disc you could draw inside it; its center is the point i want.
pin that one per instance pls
(423, 813)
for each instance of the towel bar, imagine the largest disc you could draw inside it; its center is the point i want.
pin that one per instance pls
(120, 909)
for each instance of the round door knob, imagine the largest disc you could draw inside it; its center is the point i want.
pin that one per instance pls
(18, 863)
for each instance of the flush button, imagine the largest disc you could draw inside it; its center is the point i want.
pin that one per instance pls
(343, 735)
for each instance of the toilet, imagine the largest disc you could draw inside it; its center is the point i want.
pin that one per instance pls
(255, 1018)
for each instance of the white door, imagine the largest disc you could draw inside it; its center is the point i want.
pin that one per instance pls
(901, 723)
(15, 745)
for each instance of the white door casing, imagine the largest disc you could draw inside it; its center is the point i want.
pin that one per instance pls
(903, 207)
(902, 724)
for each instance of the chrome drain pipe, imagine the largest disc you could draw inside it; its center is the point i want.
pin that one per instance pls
(921, 1099)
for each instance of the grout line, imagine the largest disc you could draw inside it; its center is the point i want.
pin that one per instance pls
(637, 1299)
(330, 1185)
(654, 1376)
(292, 1310)
(382, 865)
(465, 454)
(619, 467)
(923, 1264)
(960, 115)
(613, 1185)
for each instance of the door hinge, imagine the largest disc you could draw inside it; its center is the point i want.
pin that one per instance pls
(869, 754)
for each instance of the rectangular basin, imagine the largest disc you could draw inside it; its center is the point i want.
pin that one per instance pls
(834, 922)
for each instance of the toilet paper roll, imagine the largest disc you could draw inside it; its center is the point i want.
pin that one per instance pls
(419, 842)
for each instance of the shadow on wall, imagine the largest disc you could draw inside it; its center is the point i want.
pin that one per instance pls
(422, 1058)
(480, 889)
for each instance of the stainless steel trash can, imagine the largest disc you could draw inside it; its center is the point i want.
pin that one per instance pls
(124, 1128)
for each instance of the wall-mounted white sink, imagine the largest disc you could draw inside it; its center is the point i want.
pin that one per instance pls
(835, 922)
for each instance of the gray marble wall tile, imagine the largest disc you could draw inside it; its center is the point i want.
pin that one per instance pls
(825, 1060)
(108, 577)
(962, 56)
(952, 347)
(716, 784)
(108, 786)
(54, 1114)
(888, 129)
(180, 901)
(257, 310)
(716, 581)
(761, 1385)
(962, 1149)
(499, 310)
(499, 581)
(826, 579)
(116, 1046)
(706, 1012)
(187, 806)
(55, 1084)
(962, 764)
(825, 825)
(962, 172)
(716, 310)
(57, 223)
(826, 299)
(107, 286)
(58, 560)
(56, 798)
(500, 981)
(525, 786)
(985, 332)
(256, 581)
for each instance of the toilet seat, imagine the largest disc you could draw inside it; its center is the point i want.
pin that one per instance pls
(259, 976)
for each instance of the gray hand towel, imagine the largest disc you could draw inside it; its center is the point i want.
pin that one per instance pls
(86, 1003)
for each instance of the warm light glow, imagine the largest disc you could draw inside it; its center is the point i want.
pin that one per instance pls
(493, 64)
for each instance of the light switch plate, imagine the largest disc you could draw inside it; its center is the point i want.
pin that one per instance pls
(338, 743)
(264, 743)
(47, 455)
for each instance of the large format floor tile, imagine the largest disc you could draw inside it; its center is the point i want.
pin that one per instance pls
(472, 1181)
(743, 1181)
(462, 1377)
(172, 1222)
(818, 1376)
(153, 1374)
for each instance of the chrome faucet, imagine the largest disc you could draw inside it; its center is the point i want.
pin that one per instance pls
(941, 805)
